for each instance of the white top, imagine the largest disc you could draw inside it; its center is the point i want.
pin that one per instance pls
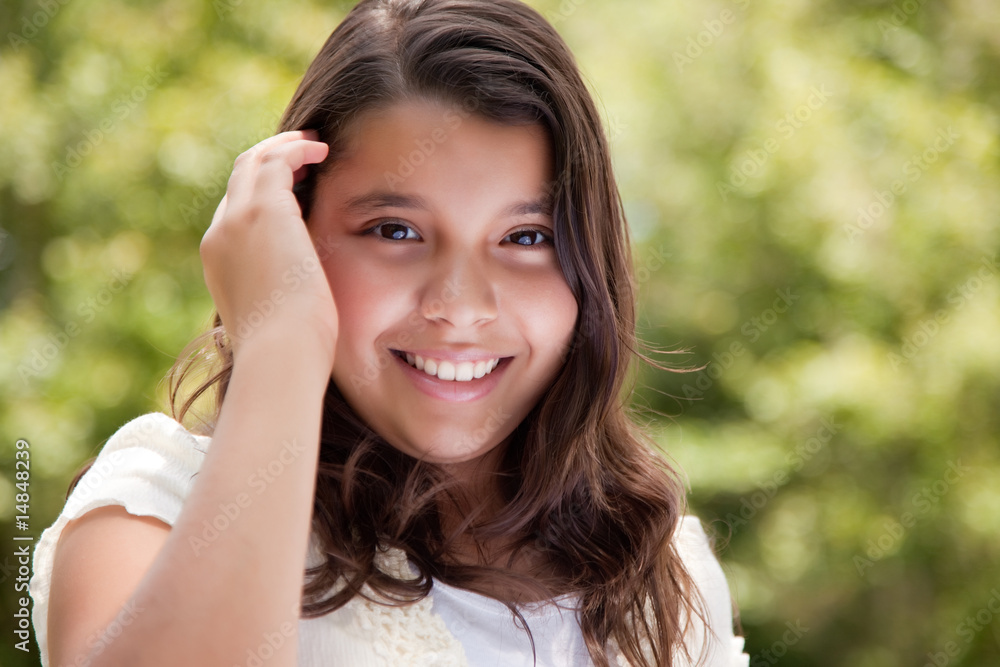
(147, 467)
(479, 621)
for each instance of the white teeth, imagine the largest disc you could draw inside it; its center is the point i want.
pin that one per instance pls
(463, 371)
(446, 370)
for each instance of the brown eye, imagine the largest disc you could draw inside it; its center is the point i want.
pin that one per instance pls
(393, 231)
(529, 237)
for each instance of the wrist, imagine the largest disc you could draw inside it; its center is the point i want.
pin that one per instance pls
(300, 348)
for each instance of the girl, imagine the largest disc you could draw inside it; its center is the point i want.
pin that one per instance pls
(419, 452)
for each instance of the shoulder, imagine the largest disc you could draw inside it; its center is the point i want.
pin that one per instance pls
(151, 456)
(692, 543)
(154, 431)
(695, 550)
(146, 467)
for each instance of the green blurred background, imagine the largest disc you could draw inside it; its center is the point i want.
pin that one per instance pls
(813, 189)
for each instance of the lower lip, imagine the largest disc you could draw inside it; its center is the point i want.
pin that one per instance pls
(451, 390)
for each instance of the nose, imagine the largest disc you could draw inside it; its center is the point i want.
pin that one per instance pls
(459, 292)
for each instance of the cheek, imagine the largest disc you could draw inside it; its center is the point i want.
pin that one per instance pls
(548, 310)
(366, 300)
(346, 296)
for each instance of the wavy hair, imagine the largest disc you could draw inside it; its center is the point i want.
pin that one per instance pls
(585, 491)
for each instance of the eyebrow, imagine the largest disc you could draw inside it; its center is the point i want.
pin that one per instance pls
(377, 200)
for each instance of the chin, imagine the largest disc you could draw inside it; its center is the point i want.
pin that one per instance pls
(464, 450)
(451, 457)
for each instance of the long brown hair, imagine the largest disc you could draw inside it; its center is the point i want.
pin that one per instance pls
(582, 486)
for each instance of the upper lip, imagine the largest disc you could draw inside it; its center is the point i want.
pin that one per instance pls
(454, 356)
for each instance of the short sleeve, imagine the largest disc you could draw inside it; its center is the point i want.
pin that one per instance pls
(147, 467)
(722, 649)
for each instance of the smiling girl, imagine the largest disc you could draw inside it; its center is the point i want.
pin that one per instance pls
(419, 452)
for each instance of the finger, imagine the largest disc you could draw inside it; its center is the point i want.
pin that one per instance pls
(270, 188)
(219, 211)
(241, 182)
(300, 174)
(279, 165)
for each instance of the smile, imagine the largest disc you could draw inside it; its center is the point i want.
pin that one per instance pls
(461, 371)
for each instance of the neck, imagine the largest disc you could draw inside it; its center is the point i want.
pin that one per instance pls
(476, 498)
(479, 496)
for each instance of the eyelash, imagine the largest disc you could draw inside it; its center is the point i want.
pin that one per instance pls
(546, 238)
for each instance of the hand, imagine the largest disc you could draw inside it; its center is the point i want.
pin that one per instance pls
(261, 266)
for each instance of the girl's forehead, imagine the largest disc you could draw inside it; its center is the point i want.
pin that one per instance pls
(418, 128)
(429, 147)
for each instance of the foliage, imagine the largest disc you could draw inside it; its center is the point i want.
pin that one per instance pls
(813, 190)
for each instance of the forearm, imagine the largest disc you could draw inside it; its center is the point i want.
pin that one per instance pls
(230, 575)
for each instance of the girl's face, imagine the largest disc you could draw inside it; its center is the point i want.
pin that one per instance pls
(436, 237)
